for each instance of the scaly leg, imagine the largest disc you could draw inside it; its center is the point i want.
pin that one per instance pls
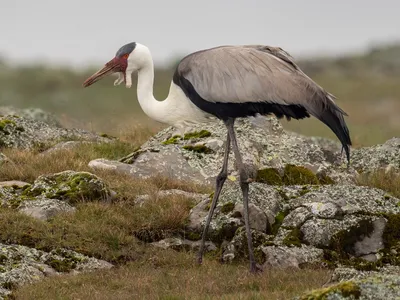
(244, 185)
(220, 180)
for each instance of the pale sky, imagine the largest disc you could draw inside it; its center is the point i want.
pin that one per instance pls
(80, 32)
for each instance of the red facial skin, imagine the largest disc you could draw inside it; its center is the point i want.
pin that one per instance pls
(117, 64)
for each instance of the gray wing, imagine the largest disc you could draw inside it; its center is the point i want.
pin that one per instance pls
(261, 74)
(252, 73)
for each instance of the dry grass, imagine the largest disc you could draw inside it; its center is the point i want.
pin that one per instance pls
(387, 181)
(99, 230)
(173, 275)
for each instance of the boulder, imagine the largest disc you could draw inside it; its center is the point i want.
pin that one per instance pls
(343, 224)
(36, 114)
(377, 287)
(44, 208)
(271, 155)
(20, 265)
(69, 186)
(18, 132)
(384, 156)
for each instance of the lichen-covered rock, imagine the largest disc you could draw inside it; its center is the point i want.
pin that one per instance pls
(377, 287)
(17, 132)
(345, 273)
(44, 209)
(69, 186)
(33, 113)
(382, 156)
(20, 265)
(198, 154)
(291, 257)
(359, 225)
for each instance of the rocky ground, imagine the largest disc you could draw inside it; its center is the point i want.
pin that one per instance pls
(307, 208)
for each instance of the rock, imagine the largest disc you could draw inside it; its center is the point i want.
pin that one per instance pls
(373, 242)
(20, 265)
(44, 209)
(382, 156)
(69, 186)
(36, 114)
(14, 184)
(180, 244)
(16, 132)
(264, 144)
(344, 273)
(377, 287)
(291, 257)
(258, 218)
(353, 222)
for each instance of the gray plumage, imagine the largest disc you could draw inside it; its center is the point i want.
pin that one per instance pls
(252, 73)
(262, 74)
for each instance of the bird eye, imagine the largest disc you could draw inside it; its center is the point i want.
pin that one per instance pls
(125, 56)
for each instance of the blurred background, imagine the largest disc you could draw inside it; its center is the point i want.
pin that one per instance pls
(48, 48)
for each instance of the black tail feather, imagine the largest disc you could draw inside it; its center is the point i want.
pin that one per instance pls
(333, 118)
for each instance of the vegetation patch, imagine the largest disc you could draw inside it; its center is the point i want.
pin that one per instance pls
(298, 175)
(387, 181)
(197, 135)
(293, 238)
(173, 140)
(3, 125)
(278, 221)
(227, 207)
(346, 289)
(198, 149)
(269, 176)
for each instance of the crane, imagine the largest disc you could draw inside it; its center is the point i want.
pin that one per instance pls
(228, 82)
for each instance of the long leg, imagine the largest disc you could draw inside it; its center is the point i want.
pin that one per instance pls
(218, 187)
(244, 185)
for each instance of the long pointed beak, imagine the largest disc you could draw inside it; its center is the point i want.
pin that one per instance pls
(111, 67)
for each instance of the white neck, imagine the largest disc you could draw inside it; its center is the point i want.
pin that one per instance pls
(156, 110)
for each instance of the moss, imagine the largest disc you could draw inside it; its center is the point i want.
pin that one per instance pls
(4, 123)
(172, 140)
(130, 159)
(346, 289)
(105, 135)
(198, 149)
(278, 221)
(297, 175)
(391, 234)
(193, 236)
(325, 179)
(227, 207)
(64, 265)
(269, 176)
(197, 134)
(293, 238)
(3, 259)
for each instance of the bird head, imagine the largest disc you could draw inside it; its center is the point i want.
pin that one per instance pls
(126, 61)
